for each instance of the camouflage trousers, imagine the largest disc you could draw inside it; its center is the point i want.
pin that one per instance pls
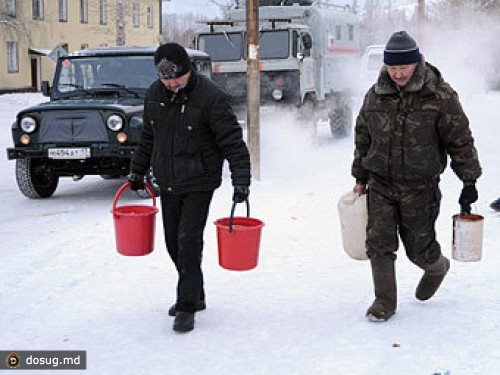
(410, 213)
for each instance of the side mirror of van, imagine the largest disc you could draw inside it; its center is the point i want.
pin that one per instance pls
(307, 41)
(46, 88)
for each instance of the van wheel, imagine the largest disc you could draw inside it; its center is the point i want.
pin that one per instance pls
(340, 121)
(35, 178)
(150, 179)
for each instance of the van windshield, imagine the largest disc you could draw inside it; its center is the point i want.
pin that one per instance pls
(87, 73)
(222, 47)
(274, 44)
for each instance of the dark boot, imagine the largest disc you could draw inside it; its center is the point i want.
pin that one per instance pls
(184, 321)
(173, 309)
(384, 281)
(432, 278)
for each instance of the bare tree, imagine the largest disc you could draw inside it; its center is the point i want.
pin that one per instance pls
(181, 28)
(120, 22)
(15, 27)
(224, 5)
(124, 9)
(379, 18)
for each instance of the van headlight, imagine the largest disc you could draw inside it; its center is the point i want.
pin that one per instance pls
(28, 124)
(277, 94)
(114, 123)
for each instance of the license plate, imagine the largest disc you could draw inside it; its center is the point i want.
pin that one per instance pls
(267, 109)
(69, 153)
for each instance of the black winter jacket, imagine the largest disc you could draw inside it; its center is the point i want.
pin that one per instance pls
(186, 137)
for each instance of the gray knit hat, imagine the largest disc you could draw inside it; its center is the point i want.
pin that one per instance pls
(401, 49)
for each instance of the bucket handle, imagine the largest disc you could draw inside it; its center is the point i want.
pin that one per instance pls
(232, 214)
(127, 185)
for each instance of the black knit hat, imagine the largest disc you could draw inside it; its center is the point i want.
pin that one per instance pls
(401, 49)
(171, 61)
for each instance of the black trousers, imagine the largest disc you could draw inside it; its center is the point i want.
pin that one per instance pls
(184, 220)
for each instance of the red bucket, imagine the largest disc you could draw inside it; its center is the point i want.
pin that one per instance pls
(238, 240)
(134, 225)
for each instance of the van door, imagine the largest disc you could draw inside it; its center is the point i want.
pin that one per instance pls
(306, 64)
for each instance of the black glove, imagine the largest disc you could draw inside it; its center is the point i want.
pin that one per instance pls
(240, 193)
(468, 196)
(137, 181)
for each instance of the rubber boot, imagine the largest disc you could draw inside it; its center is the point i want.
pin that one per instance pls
(432, 278)
(384, 281)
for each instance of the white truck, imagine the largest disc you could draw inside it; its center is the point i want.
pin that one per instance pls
(308, 56)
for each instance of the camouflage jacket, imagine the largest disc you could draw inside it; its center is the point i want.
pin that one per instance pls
(404, 136)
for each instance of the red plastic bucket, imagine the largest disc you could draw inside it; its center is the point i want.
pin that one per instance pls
(238, 240)
(134, 225)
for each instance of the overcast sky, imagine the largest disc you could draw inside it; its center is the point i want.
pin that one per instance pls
(208, 8)
(204, 7)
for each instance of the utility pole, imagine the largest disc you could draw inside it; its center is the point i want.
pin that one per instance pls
(160, 6)
(253, 85)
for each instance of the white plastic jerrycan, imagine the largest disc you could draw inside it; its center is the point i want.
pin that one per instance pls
(353, 215)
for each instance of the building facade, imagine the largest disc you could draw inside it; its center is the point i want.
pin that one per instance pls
(34, 32)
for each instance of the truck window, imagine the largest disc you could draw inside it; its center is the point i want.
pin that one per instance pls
(338, 32)
(274, 45)
(350, 31)
(204, 67)
(222, 47)
(75, 75)
(295, 43)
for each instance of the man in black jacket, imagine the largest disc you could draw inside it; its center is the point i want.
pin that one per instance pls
(189, 129)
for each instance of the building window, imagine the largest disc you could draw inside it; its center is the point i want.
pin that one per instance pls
(38, 9)
(12, 57)
(10, 6)
(103, 12)
(136, 15)
(84, 46)
(149, 16)
(84, 11)
(63, 10)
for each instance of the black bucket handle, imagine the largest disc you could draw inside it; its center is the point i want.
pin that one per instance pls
(232, 214)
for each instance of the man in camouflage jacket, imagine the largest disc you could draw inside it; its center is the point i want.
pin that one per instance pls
(411, 119)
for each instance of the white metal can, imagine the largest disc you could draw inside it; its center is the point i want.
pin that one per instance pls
(467, 240)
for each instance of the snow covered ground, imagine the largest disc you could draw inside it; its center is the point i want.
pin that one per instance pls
(63, 286)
